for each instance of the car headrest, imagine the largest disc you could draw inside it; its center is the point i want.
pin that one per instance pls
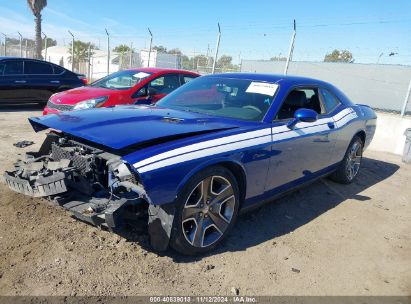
(171, 82)
(314, 99)
(296, 98)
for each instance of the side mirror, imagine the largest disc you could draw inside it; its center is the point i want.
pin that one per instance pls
(304, 115)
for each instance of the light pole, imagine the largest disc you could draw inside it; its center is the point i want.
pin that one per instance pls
(149, 50)
(72, 51)
(291, 50)
(21, 44)
(45, 46)
(216, 49)
(5, 44)
(108, 52)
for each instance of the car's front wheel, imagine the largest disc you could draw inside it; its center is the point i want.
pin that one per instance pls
(350, 166)
(207, 207)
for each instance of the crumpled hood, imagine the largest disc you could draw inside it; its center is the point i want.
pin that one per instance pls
(76, 95)
(123, 126)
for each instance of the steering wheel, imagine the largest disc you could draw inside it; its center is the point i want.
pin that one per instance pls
(253, 108)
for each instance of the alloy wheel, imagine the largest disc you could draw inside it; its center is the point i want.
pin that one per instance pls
(208, 211)
(354, 160)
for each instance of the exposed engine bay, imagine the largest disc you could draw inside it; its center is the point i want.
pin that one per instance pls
(98, 187)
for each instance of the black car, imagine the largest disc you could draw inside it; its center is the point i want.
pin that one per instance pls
(26, 80)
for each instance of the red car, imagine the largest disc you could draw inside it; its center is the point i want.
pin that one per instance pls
(134, 86)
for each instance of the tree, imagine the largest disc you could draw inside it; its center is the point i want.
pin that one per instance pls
(80, 52)
(175, 51)
(224, 61)
(31, 42)
(50, 42)
(36, 7)
(339, 56)
(122, 49)
(159, 48)
(278, 58)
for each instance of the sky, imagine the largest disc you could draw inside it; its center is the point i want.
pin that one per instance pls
(370, 29)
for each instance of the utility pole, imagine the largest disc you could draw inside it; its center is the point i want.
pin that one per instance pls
(149, 51)
(5, 44)
(108, 52)
(379, 57)
(45, 46)
(291, 50)
(21, 44)
(89, 62)
(131, 56)
(72, 51)
(216, 49)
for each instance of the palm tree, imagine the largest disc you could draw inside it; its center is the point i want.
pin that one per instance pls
(36, 7)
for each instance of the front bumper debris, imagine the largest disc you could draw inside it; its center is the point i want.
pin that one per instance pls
(38, 179)
(97, 187)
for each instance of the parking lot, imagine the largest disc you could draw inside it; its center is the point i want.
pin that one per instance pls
(324, 239)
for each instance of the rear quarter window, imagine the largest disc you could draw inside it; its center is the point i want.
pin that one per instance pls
(330, 100)
(58, 69)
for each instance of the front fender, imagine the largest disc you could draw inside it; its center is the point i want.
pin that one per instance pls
(164, 184)
(208, 163)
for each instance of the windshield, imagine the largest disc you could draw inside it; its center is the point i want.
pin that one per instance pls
(227, 97)
(122, 80)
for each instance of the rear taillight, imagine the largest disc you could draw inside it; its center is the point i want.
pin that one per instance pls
(83, 79)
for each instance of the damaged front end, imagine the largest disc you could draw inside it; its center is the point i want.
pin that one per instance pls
(97, 186)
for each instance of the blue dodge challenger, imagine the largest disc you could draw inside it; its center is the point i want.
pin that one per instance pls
(188, 165)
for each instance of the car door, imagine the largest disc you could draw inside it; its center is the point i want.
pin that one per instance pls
(41, 81)
(303, 151)
(157, 89)
(12, 81)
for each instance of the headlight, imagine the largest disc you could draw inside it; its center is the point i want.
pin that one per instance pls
(90, 103)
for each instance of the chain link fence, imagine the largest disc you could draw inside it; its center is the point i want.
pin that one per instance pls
(383, 87)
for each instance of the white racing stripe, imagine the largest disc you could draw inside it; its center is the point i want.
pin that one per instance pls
(203, 145)
(241, 141)
(210, 151)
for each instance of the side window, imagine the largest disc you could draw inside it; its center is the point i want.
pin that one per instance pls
(330, 101)
(165, 84)
(297, 99)
(13, 68)
(37, 68)
(2, 66)
(187, 78)
(58, 69)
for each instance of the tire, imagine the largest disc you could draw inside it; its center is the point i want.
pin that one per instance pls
(348, 169)
(215, 212)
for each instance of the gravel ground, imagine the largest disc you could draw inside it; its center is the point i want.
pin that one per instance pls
(325, 239)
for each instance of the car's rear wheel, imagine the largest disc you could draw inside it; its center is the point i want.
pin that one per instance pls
(207, 208)
(351, 164)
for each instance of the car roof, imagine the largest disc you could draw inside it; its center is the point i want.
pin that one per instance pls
(161, 70)
(273, 78)
(9, 57)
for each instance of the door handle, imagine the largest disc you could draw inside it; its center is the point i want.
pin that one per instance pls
(55, 81)
(20, 81)
(331, 125)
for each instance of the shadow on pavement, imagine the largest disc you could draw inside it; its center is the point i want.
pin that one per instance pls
(292, 211)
